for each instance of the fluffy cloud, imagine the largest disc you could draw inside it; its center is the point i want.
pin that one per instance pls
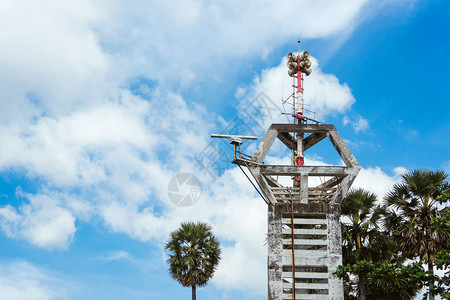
(43, 222)
(57, 55)
(323, 95)
(50, 59)
(110, 155)
(196, 38)
(375, 180)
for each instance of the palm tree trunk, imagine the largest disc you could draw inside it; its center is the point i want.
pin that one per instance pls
(430, 262)
(362, 288)
(194, 294)
(430, 268)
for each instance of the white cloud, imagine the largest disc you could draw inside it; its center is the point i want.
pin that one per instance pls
(50, 59)
(324, 94)
(110, 154)
(114, 255)
(375, 180)
(359, 123)
(195, 38)
(345, 121)
(21, 280)
(242, 265)
(42, 222)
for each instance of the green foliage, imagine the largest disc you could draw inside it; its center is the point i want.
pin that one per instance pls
(385, 280)
(396, 281)
(414, 216)
(443, 198)
(412, 207)
(442, 286)
(361, 237)
(411, 224)
(194, 254)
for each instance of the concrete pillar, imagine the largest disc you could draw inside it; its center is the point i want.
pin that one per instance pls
(336, 290)
(275, 249)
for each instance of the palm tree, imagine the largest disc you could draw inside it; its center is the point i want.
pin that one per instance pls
(361, 237)
(412, 207)
(195, 254)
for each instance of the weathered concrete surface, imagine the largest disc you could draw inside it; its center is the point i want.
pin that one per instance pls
(345, 175)
(316, 239)
(313, 139)
(264, 146)
(289, 170)
(336, 290)
(275, 255)
(330, 258)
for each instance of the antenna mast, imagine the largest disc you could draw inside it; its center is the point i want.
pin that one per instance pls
(304, 237)
(298, 64)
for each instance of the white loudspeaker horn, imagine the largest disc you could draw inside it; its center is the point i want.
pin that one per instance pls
(292, 72)
(307, 71)
(307, 63)
(305, 54)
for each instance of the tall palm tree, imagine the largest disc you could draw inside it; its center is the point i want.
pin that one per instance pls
(360, 235)
(194, 255)
(412, 207)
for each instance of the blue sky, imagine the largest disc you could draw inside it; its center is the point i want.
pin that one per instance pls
(103, 102)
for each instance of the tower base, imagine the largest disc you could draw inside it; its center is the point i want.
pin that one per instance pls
(317, 251)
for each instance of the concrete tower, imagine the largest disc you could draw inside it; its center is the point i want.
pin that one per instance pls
(304, 237)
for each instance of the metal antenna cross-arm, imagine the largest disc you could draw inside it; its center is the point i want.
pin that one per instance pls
(236, 141)
(230, 136)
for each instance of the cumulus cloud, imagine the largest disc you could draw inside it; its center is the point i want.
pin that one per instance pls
(323, 95)
(50, 59)
(109, 156)
(43, 222)
(198, 37)
(375, 180)
(59, 55)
